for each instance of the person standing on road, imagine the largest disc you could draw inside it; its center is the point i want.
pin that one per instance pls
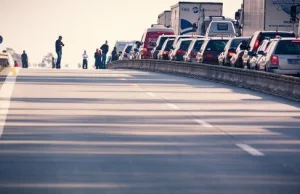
(104, 49)
(85, 60)
(114, 54)
(24, 60)
(58, 48)
(97, 57)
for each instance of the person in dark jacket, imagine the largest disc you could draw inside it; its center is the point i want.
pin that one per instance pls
(97, 57)
(58, 48)
(24, 60)
(114, 54)
(104, 49)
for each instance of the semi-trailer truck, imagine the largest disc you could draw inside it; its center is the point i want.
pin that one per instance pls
(164, 18)
(189, 17)
(266, 15)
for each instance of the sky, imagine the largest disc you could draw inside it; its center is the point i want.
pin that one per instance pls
(34, 25)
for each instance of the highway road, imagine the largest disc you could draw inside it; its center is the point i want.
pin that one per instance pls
(132, 132)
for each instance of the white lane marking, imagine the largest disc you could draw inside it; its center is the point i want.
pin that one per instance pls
(151, 94)
(5, 95)
(203, 123)
(250, 150)
(173, 106)
(123, 79)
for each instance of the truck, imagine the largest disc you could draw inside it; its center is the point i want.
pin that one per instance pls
(164, 18)
(188, 17)
(266, 15)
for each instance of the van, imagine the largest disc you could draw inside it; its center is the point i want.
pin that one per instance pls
(221, 29)
(149, 40)
(120, 45)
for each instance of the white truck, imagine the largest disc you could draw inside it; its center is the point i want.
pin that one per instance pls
(267, 15)
(186, 15)
(164, 18)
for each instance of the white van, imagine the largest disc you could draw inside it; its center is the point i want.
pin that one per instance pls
(221, 29)
(120, 45)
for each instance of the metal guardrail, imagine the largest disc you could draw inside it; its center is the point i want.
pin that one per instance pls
(280, 85)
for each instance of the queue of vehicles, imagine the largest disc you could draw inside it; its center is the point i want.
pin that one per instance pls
(272, 51)
(198, 33)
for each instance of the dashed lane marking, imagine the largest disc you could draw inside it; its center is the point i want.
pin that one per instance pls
(5, 95)
(173, 106)
(203, 123)
(250, 150)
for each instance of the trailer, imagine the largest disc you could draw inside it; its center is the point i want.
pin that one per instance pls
(188, 17)
(164, 18)
(267, 15)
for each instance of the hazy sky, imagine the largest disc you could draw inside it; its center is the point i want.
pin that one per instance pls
(34, 25)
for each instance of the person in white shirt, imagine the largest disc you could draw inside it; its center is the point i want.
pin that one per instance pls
(85, 60)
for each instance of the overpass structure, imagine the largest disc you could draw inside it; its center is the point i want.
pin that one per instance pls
(139, 127)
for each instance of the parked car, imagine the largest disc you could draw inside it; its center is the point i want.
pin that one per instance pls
(194, 48)
(134, 52)
(184, 37)
(236, 60)
(126, 52)
(149, 40)
(180, 50)
(164, 52)
(160, 41)
(256, 40)
(282, 57)
(230, 50)
(253, 63)
(211, 49)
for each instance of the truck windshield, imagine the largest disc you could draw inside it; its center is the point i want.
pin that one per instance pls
(288, 47)
(216, 45)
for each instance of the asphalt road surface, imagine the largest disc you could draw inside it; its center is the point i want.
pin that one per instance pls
(132, 132)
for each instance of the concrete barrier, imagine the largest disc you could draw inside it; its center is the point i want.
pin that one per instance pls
(285, 86)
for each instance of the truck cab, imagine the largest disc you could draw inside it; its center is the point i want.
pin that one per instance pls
(220, 29)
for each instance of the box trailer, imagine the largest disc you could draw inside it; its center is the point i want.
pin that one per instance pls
(186, 15)
(267, 15)
(164, 18)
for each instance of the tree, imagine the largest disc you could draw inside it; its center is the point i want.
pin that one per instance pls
(16, 56)
(47, 60)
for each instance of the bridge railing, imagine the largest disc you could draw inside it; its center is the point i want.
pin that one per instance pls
(280, 85)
